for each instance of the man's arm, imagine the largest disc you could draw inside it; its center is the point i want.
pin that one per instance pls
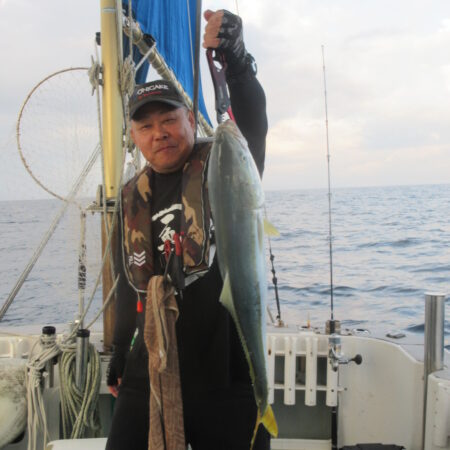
(224, 33)
(248, 103)
(125, 323)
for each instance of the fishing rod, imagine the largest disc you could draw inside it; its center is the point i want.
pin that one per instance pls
(330, 233)
(333, 326)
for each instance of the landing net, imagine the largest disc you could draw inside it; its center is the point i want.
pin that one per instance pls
(57, 131)
(57, 136)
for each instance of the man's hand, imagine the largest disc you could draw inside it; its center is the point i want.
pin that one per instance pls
(214, 19)
(115, 369)
(115, 389)
(223, 33)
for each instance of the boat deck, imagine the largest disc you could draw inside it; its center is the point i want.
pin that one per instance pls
(380, 400)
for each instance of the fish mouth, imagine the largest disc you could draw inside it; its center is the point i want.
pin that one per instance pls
(228, 127)
(228, 135)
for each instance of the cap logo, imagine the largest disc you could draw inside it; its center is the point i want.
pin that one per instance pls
(152, 88)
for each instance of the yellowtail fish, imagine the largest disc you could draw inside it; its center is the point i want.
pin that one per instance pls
(237, 204)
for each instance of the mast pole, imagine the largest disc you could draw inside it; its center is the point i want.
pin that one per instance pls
(112, 109)
(112, 136)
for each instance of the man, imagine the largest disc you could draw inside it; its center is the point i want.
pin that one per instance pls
(169, 196)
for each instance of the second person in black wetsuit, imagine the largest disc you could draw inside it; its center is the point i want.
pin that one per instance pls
(169, 196)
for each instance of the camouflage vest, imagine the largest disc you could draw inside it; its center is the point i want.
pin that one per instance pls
(195, 220)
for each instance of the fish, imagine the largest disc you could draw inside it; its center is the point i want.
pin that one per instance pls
(236, 199)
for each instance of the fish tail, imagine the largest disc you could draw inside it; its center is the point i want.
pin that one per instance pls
(269, 422)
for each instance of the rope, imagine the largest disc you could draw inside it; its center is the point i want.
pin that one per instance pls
(79, 409)
(94, 73)
(108, 227)
(49, 233)
(36, 411)
(105, 303)
(127, 82)
(131, 28)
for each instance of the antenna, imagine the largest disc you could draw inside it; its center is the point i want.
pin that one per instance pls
(330, 234)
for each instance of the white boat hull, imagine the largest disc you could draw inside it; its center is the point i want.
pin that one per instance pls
(378, 401)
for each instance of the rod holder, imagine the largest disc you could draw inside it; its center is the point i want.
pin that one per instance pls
(434, 333)
(81, 358)
(48, 339)
(434, 344)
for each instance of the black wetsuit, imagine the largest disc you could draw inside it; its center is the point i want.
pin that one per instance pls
(218, 401)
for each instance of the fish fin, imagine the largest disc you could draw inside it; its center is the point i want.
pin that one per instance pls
(269, 229)
(226, 296)
(269, 422)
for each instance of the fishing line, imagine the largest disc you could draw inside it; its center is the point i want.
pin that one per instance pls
(274, 280)
(198, 19)
(330, 234)
(190, 34)
(275, 285)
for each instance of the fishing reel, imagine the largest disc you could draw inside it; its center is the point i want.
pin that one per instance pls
(334, 347)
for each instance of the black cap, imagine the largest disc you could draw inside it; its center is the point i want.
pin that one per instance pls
(162, 91)
(48, 330)
(83, 332)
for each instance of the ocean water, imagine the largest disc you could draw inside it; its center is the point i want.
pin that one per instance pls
(391, 245)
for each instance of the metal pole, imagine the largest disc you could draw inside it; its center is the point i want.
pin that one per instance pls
(112, 108)
(434, 332)
(112, 129)
(48, 339)
(434, 343)
(81, 358)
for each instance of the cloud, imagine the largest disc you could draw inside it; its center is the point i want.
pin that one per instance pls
(388, 81)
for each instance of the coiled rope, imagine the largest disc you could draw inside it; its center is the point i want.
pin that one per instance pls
(37, 418)
(79, 408)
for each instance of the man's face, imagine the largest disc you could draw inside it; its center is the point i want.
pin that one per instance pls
(164, 135)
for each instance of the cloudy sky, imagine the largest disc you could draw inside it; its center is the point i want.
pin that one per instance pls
(388, 80)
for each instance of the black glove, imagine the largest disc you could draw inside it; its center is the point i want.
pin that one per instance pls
(232, 45)
(116, 365)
